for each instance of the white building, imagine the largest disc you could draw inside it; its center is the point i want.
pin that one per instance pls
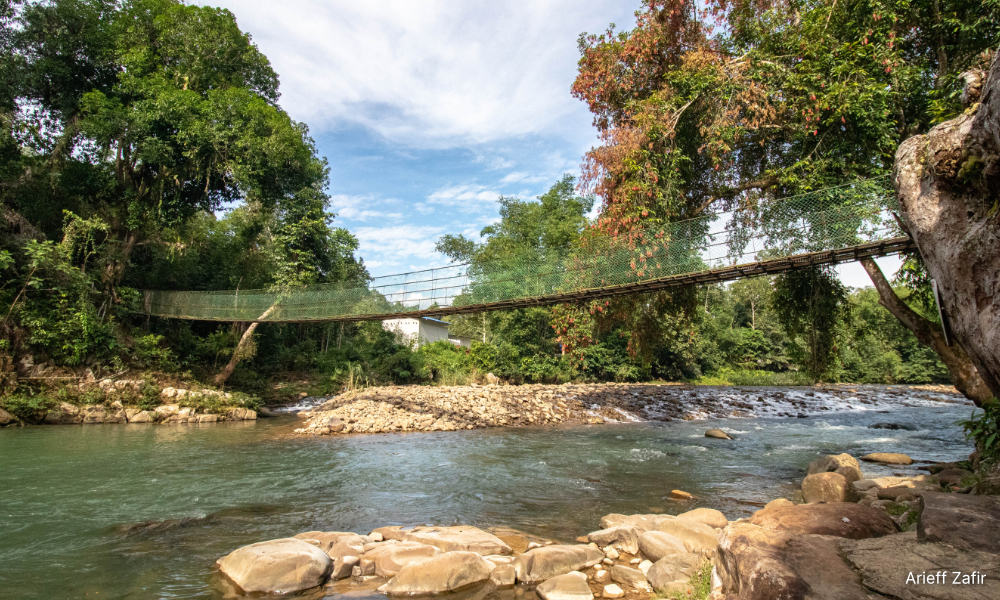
(424, 330)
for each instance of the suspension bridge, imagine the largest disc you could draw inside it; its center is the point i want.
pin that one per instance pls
(826, 227)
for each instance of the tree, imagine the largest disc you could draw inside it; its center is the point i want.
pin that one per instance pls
(809, 303)
(755, 294)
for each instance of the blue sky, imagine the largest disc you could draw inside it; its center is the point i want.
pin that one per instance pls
(429, 110)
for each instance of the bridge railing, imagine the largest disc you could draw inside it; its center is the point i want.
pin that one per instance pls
(828, 219)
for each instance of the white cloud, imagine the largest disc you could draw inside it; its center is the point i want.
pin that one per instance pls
(355, 208)
(436, 73)
(469, 196)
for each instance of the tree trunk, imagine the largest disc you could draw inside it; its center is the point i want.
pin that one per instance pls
(948, 185)
(963, 373)
(239, 351)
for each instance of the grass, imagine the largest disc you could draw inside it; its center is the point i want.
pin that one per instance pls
(698, 588)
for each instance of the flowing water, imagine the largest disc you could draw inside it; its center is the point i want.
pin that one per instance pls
(143, 511)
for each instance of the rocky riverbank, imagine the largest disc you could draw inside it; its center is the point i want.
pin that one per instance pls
(177, 405)
(421, 408)
(822, 549)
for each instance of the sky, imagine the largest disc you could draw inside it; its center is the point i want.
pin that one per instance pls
(429, 111)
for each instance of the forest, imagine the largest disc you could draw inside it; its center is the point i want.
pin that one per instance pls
(144, 147)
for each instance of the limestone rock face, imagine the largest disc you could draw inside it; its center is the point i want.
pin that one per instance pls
(832, 462)
(92, 415)
(446, 572)
(657, 544)
(842, 519)
(143, 416)
(621, 537)
(825, 487)
(6, 418)
(571, 586)
(708, 516)
(757, 564)
(961, 520)
(547, 562)
(673, 569)
(697, 537)
(241, 414)
(393, 559)
(459, 538)
(277, 566)
(888, 458)
(65, 414)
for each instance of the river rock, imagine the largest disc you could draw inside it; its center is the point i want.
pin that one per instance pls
(93, 415)
(825, 487)
(841, 519)
(392, 532)
(241, 414)
(832, 462)
(6, 418)
(779, 502)
(657, 544)
(633, 578)
(885, 565)
(392, 561)
(640, 522)
(891, 426)
(612, 590)
(961, 520)
(697, 537)
(754, 563)
(718, 434)
(708, 516)
(953, 477)
(571, 586)
(277, 566)
(673, 570)
(446, 572)
(888, 458)
(621, 537)
(459, 538)
(116, 415)
(344, 566)
(503, 576)
(143, 416)
(64, 414)
(546, 562)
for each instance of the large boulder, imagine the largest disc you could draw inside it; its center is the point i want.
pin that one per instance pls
(546, 562)
(6, 418)
(458, 538)
(842, 519)
(825, 487)
(392, 561)
(640, 522)
(328, 539)
(343, 567)
(657, 544)
(708, 516)
(961, 520)
(851, 474)
(891, 565)
(633, 578)
(391, 532)
(697, 537)
(241, 414)
(446, 572)
(93, 415)
(888, 458)
(621, 537)
(143, 416)
(673, 570)
(277, 566)
(757, 564)
(832, 462)
(571, 586)
(503, 576)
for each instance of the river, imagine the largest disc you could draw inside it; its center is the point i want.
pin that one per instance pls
(143, 511)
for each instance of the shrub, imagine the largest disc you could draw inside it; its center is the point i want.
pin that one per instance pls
(984, 430)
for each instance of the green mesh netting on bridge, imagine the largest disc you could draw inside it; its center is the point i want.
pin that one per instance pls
(837, 218)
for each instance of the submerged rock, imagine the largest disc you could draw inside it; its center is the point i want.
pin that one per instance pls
(277, 566)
